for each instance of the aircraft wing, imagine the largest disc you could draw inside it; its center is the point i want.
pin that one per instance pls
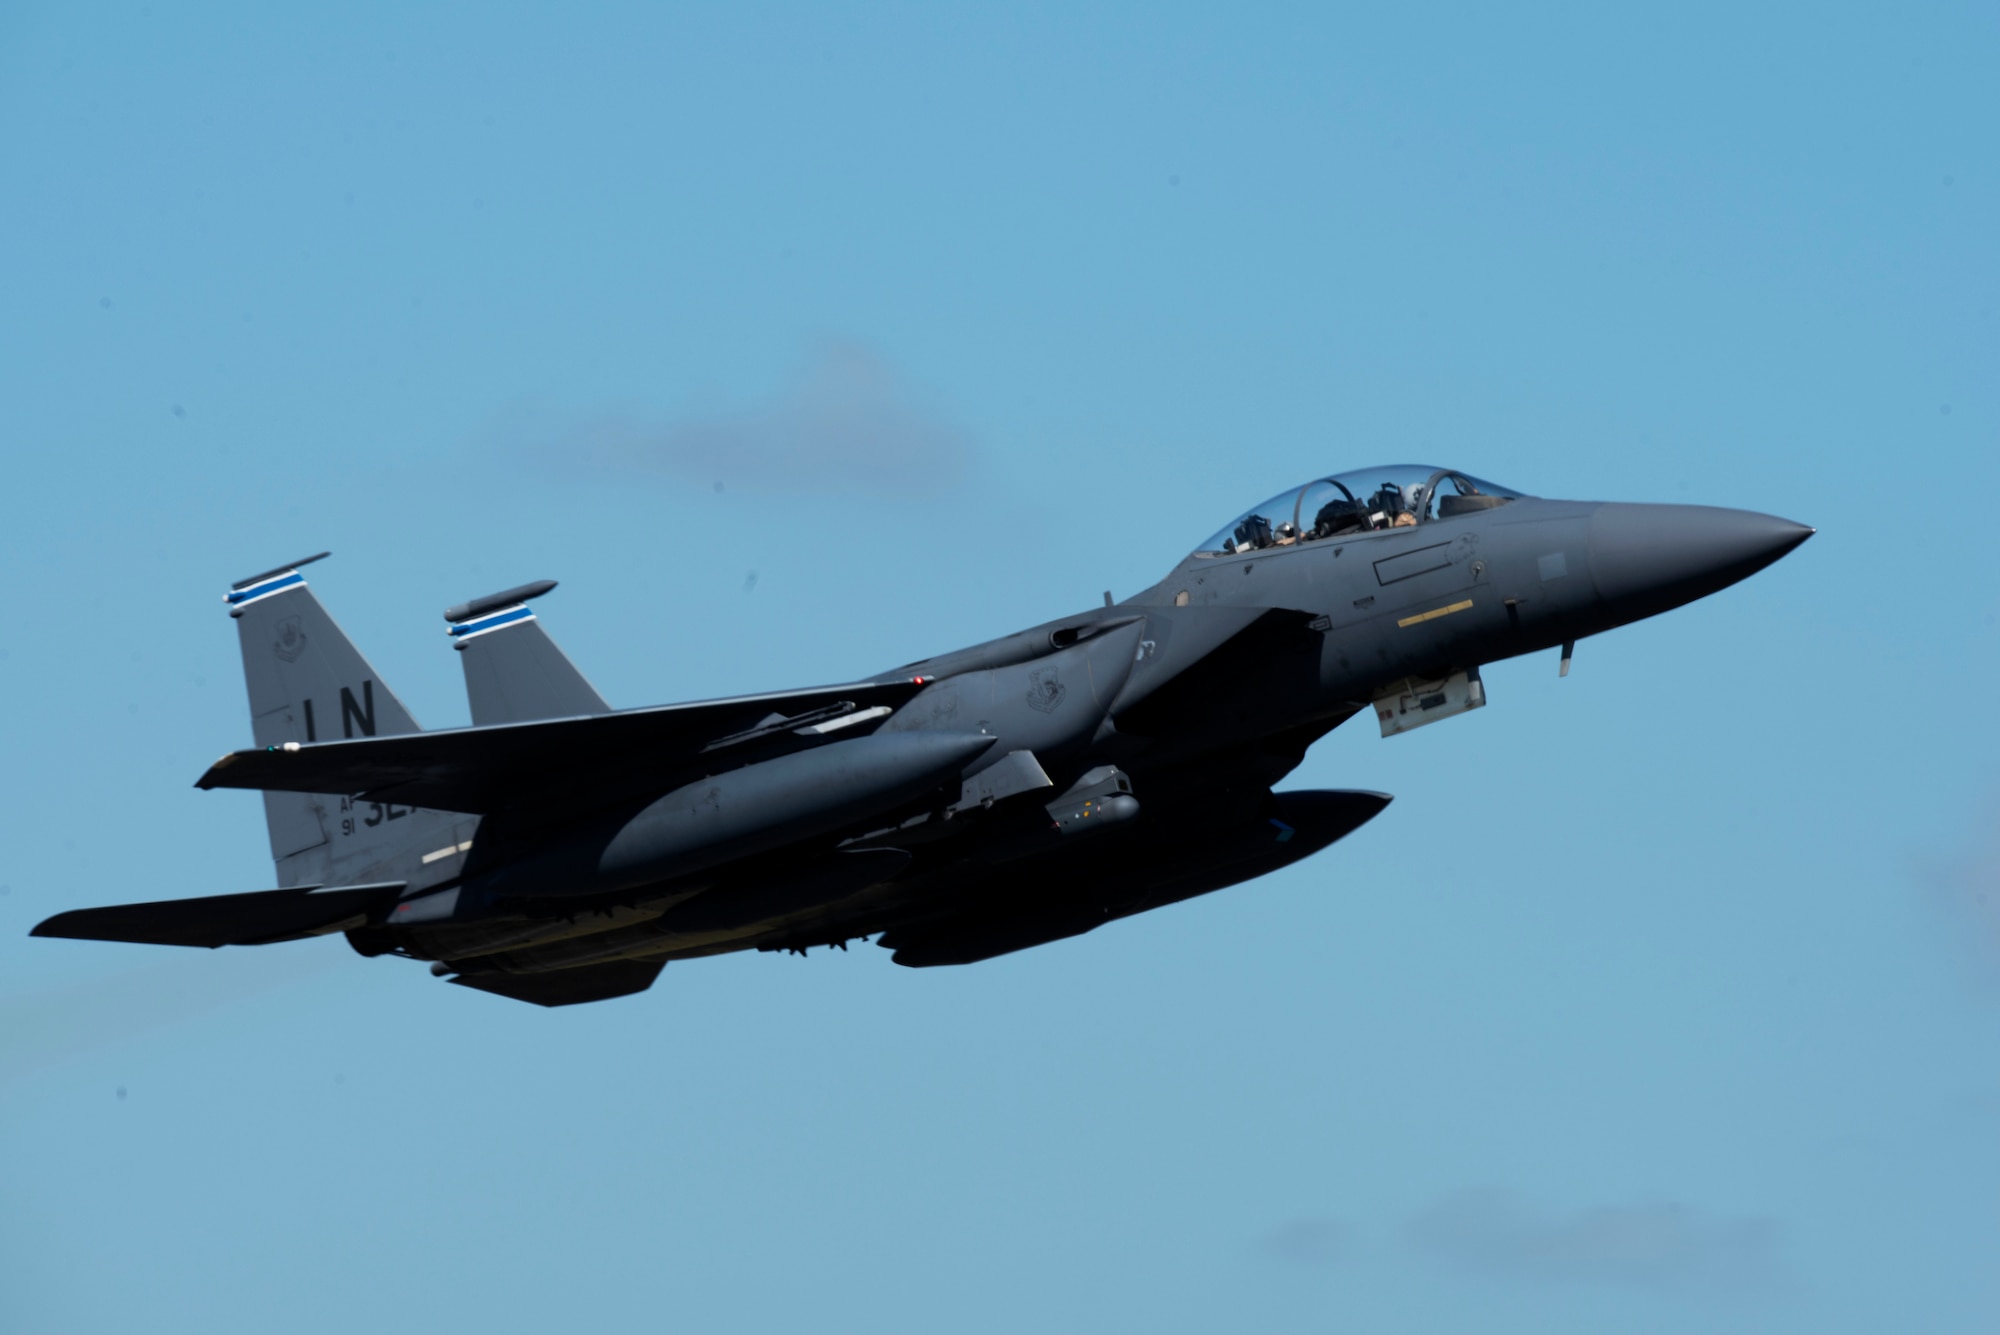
(565, 761)
(252, 919)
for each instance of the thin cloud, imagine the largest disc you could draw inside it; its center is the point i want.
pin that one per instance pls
(44, 1028)
(1652, 1245)
(1966, 890)
(1310, 1240)
(846, 423)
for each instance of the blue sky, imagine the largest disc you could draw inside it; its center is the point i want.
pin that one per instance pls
(799, 342)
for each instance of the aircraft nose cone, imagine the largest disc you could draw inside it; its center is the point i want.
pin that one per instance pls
(1647, 558)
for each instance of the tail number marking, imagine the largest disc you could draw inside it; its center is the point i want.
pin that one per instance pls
(352, 712)
(378, 812)
(363, 713)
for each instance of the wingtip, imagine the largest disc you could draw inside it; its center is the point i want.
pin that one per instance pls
(65, 926)
(208, 779)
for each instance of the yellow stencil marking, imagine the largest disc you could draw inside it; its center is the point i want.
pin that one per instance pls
(1435, 613)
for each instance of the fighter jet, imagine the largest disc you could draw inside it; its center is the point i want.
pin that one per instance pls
(1017, 792)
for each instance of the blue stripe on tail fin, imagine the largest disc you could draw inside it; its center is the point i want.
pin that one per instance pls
(514, 672)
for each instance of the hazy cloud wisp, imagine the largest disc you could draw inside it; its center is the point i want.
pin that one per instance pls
(1660, 1245)
(1309, 1240)
(43, 1028)
(1966, 889)
(847, 423)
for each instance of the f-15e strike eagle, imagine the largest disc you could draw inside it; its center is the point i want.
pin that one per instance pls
(1017, 792)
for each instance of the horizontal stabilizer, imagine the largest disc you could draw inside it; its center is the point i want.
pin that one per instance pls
(253, 919)
(481, 770)
(570, 987)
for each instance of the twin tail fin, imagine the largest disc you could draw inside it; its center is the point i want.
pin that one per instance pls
(514, 673)
(308, 683)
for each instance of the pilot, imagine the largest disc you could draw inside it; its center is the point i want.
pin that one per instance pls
(1390, 509)
(1253, 534)
(1338, 515)
(1384, 506)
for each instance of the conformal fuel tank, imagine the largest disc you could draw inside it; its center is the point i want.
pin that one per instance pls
(762, 806)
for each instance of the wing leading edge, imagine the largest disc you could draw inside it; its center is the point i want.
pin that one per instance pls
(481, 770)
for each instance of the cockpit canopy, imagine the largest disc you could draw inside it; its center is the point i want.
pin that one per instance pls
(1364, 501)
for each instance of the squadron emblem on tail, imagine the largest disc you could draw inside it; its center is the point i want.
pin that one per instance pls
(291, 641)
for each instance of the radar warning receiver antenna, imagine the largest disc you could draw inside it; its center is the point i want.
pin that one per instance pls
(495, 611)
(258, 587)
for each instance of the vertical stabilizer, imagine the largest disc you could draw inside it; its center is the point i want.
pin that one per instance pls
(513, 671)
(308, 683)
